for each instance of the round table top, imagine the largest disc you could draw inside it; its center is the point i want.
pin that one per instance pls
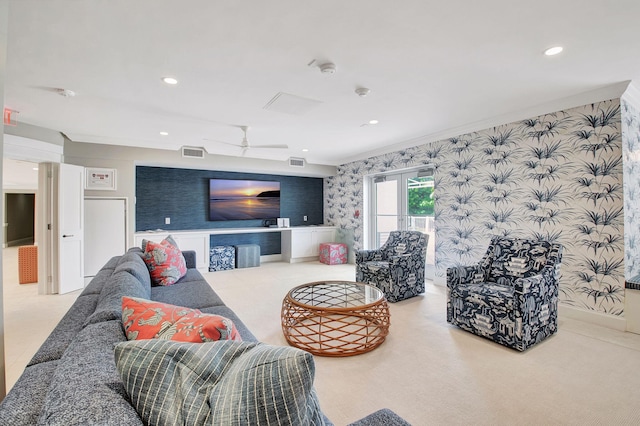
(335, 295)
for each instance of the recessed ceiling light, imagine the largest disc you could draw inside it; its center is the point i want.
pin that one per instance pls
(373, 121)
(35, 168)
(164, 133)
(305, 150)
(170, 80)
(553, 50)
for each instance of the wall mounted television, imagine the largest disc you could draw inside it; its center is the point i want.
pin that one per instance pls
(242, 199)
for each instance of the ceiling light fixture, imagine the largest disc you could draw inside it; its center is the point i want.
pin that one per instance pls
(328, 68)
(553, 50)
(373, 121)
(170, 80)
(305, 150)
(362, 91)
(164, 133)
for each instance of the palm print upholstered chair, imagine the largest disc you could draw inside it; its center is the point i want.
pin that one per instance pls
(511, 296)
(396, 268)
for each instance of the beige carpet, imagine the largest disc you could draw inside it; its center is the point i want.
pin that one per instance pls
(431, 373)
(427, 371)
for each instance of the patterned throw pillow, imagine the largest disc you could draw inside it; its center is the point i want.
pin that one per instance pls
(221, 383)
(146, 319)
(164, 260)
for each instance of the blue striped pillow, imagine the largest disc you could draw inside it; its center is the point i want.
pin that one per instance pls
(219, 383)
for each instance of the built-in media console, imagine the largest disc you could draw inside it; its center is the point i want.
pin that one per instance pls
(299, 243)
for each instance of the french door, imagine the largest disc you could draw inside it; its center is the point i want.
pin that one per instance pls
(403, 201)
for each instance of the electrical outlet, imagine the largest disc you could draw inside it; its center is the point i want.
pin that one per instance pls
(167, 221)
(304, 218)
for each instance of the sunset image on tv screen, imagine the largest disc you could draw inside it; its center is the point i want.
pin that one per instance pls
(243, 199)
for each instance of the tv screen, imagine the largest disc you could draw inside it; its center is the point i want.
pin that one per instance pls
(234, 199)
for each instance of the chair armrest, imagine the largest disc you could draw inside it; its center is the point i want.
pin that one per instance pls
(189, 258)
(463, 274)
(368, 255)
(541, 286)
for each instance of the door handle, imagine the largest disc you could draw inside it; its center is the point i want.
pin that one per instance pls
(65, 236)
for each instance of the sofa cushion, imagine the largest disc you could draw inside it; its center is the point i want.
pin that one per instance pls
(23, 405)
(66, 330)
(165, 261)
(86, 388)
(210, 383)
(102, 277)
(122, 283)
(192, 291)
(146, 319)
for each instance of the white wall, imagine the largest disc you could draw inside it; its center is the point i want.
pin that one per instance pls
(4, 21)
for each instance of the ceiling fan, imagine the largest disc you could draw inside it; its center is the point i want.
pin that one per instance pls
(245, 142)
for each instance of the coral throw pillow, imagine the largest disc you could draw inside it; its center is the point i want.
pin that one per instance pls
(165, 262)
(146, 319)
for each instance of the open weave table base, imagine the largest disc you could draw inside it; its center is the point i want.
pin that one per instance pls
(335, 330)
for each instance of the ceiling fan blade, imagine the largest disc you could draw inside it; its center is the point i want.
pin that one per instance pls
(282, 146)
(226, 143)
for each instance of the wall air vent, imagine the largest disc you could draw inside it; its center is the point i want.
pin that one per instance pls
(297, 162)
(191, 152)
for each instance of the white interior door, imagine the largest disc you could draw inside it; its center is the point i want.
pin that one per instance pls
(71, 228)
(105, 233)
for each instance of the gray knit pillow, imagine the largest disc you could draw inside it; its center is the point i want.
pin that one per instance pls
(219, 383)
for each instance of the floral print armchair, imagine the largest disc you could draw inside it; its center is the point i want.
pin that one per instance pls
(511, 295)
(397, 268)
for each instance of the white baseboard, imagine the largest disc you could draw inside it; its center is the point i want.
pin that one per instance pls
(271, 258)
(603, 320)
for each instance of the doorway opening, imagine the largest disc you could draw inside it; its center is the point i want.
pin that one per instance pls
(20, 219)
(403, 201)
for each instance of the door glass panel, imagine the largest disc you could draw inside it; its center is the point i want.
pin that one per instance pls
(419, 212)
(387, 214)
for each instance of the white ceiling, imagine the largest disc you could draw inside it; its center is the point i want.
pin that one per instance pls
(434, 68)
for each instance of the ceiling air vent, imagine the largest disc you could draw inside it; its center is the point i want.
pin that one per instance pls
(190, 152)
(296, 162)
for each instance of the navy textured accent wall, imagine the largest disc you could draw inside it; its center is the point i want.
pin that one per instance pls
(182, 195)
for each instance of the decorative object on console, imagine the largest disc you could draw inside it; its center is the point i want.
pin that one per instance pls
(225, 381)
(511, 295)
(222, 258)
(147, 319)
(165, 261)
(397, 268)
(283, 222)
(333, 253)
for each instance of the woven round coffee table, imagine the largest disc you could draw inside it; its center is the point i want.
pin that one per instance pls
(335, 318)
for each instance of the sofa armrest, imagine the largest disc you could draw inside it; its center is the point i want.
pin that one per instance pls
(190, 258)
(463, 274)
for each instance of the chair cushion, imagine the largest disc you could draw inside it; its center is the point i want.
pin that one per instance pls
(487, 294)
(517, 258)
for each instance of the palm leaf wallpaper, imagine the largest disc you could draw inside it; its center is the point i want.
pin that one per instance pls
(631, 164)
(557, 177)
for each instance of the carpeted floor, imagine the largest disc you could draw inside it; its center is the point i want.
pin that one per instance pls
(431, 373)
(427, 371)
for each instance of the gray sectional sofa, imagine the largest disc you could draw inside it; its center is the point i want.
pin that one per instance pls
(73, 379)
